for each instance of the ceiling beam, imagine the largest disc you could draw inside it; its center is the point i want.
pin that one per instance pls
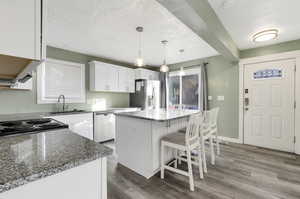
(200, 17)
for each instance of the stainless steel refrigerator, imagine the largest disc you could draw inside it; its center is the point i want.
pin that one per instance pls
(147, 94)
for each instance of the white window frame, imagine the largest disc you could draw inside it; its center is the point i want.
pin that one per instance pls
(192, 71)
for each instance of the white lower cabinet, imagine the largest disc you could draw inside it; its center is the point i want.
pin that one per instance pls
(104, 125)
(87, 181)
(81, 124)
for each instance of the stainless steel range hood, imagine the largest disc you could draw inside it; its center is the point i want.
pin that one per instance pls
(15, 69)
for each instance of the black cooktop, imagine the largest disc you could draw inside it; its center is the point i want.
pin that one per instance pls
(28, 126)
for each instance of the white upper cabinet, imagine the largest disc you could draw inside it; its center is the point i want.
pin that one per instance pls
(21, 28)
(103, 77)
(110, 78)
(56, 77)
(141, 73)
(126, 80)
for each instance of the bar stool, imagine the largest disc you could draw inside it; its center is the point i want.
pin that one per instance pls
(185, 143)
(208, 132)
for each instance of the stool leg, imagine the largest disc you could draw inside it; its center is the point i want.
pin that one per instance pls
(203, 155)
(176, 158)
(200, 162)
(190, 170)
(218, 143)
(162, 162)
(212, 150)
(179, 155)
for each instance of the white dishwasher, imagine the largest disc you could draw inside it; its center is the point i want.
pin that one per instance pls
(104, 126)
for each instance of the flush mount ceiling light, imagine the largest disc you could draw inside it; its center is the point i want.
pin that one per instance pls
(265, 35)
(164, 68)
(140, 61)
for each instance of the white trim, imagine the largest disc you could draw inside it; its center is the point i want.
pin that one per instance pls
(192, 71)
(260, 59)
(233, 140)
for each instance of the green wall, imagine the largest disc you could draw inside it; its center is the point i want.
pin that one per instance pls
(222, 80)
(277, 48)
(13, 101)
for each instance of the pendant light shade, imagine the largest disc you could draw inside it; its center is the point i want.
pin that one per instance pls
(139, 60)
(164, 67)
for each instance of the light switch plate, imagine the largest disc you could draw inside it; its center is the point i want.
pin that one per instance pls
(210, 98)
(221, 98)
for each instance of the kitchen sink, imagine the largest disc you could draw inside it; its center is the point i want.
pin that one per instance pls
(66, 112)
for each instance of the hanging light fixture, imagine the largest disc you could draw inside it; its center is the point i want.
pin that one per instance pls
(181, 73)
(164, 68)
(139, 61)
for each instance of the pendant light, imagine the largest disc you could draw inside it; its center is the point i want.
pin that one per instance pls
(139, 61)
(181, 73)
(164, 68)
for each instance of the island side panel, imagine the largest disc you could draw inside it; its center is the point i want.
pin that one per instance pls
(133, 144)
(85, 181)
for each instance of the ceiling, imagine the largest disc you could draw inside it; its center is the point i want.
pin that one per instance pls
(243, 18)
(106, 28)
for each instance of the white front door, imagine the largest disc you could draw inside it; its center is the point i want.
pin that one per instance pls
(269, 104)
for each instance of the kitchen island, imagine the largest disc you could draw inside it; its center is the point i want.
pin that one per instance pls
(138, 137)
(54, 164)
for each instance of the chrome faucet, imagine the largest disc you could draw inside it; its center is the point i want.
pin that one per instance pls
(64, 101)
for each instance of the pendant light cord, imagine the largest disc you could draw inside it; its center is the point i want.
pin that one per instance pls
(140, 45)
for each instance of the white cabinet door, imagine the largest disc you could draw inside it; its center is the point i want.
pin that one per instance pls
(111, 78)
(57, 78)
(20, 23)
(146, 74)
(103, 77)
(126, 80)
(131, 81)
(104, 127)
(81, 124)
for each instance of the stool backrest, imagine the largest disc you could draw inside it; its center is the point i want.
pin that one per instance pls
(211, 117)
(192, 130)
(214, 116)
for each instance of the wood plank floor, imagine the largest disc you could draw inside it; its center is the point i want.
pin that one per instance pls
(241, 172)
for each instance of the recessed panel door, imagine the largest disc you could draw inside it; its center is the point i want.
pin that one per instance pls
(269, 105)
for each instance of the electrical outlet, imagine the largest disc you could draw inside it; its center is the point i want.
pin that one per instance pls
(221, 98)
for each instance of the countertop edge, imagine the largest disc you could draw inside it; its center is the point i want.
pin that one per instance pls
(38, 176)
(151, 119)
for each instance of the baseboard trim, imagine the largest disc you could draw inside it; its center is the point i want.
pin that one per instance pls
(233, 140)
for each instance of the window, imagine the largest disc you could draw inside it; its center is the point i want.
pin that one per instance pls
(190, 91)
(184, 89)
(174, 91)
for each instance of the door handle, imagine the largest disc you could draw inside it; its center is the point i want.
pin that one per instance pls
(247, 101)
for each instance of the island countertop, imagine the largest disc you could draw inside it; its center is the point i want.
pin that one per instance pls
(159, 114)
(26, 158)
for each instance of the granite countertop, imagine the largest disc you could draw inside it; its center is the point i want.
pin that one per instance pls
(26, 158)
(159, 115)
(25, 116)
